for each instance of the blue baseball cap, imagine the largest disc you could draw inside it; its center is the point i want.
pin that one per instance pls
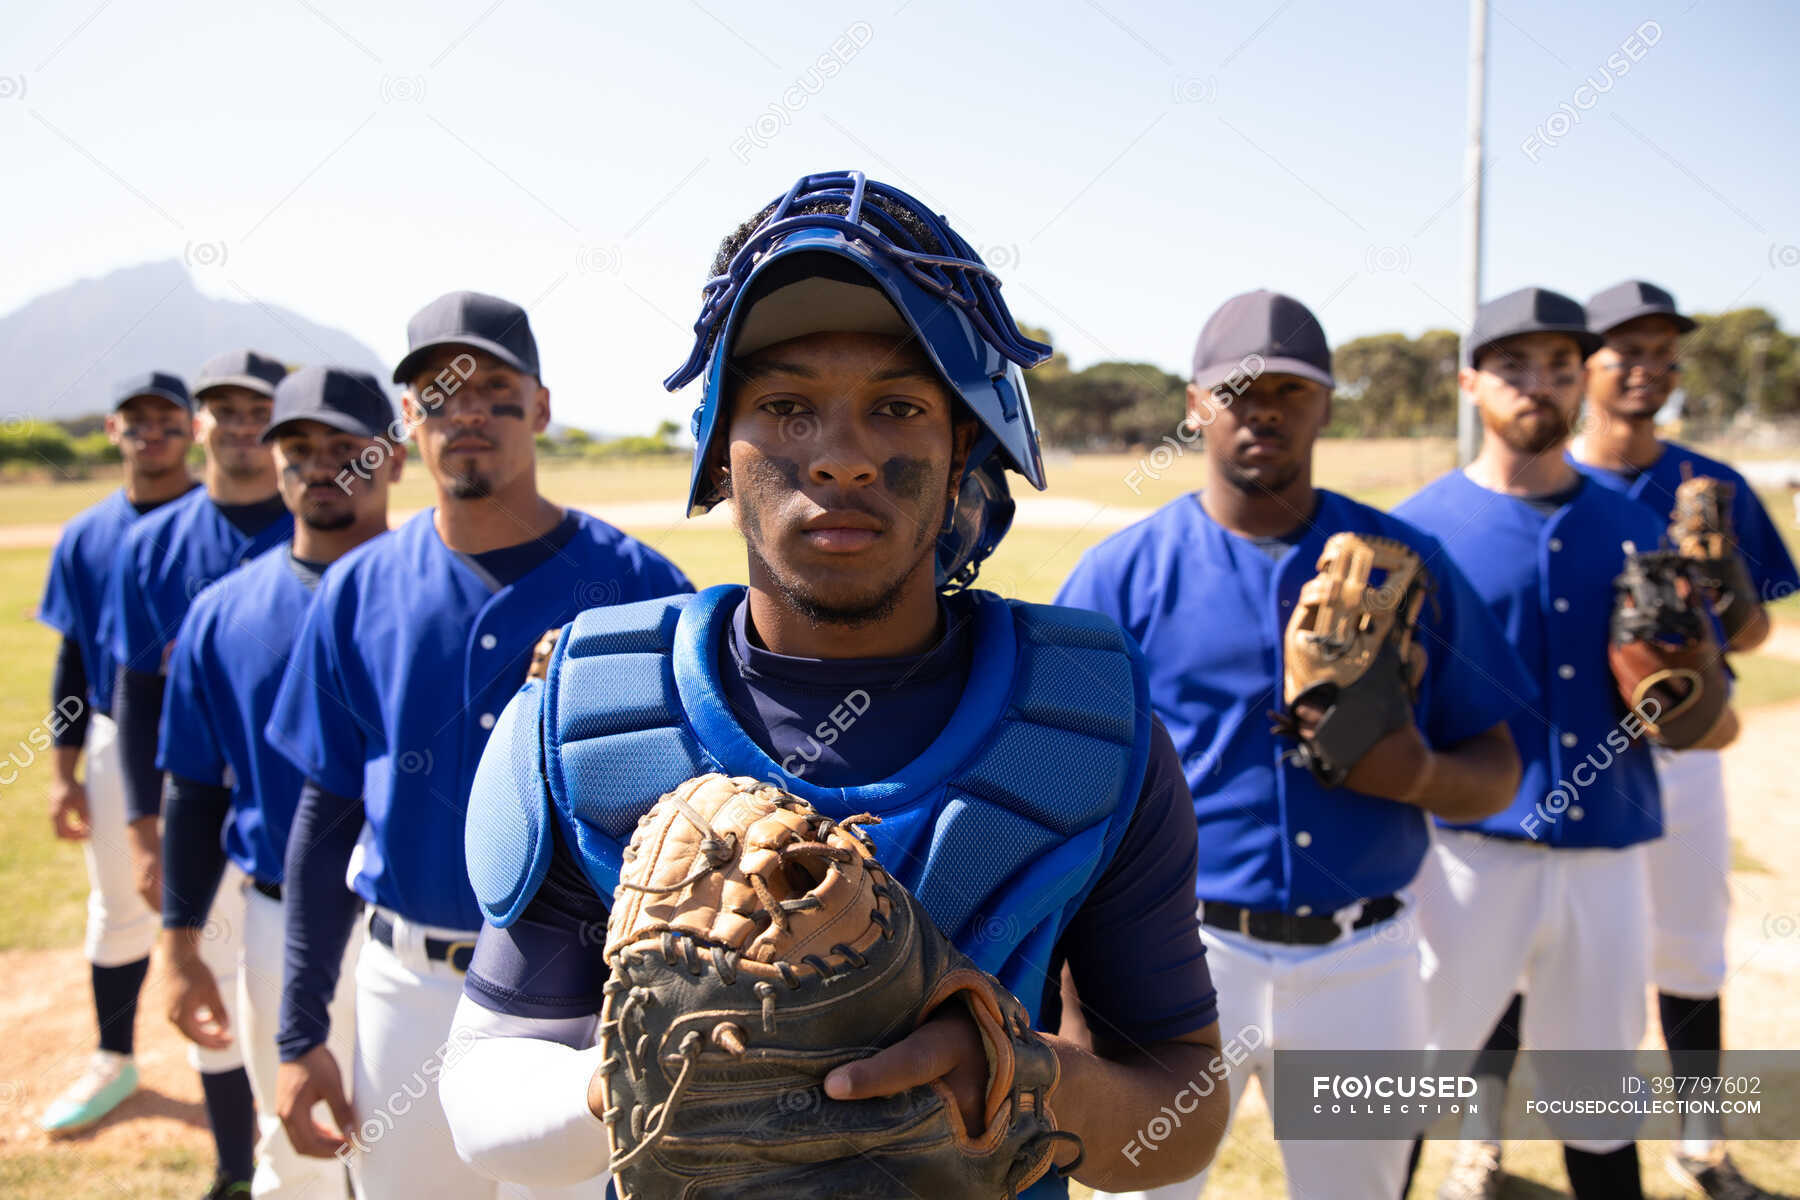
(1276, 330)
(153, 383)
(240, 368)
(350, 401)
(488, 323)
(1630, 300)
(1529, 310)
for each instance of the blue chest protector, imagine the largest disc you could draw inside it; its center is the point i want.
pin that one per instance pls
(1001, 827)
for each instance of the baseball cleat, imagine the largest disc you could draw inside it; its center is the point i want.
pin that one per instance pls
(1717, 1179)
(224, 1187)
(1476, 1174)
(109, 1078)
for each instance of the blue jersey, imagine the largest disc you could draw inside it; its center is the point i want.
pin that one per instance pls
(224, 672)
(1588, 780)
(405, 660)
(163, 562)
(1210, 609)
(1759, 542)
(76, 593)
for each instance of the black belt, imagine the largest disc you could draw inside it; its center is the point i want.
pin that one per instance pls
(1289, 928)
(263, 887)
(456, 954)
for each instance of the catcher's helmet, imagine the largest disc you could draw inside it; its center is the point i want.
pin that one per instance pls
(949, 300)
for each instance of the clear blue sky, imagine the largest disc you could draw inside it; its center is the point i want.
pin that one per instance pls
(1128, 164)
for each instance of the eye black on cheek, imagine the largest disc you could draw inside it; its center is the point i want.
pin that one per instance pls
(906, 476)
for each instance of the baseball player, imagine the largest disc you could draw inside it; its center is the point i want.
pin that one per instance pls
(863, 396)
(162, 563)
(230, 797)
(1549, 893)
(403, 663)
(151, 424)
(1301, 887)
(1629, 380)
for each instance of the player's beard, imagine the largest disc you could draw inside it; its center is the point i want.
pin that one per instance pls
(1527, 436)
(470, 485)
(1270, 480)
(328, 520)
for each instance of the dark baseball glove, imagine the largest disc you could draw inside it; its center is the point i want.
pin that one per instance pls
(1701, 531)
(1664, 656)
(755, 945)
(1349, 652)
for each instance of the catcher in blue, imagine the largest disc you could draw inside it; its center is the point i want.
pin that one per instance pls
(152, 425)
(408, 653)
(863, 397)
(230, 798)
(1301, 886)
(1551, 892)
(163, 562)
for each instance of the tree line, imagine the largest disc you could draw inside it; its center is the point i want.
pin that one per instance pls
(1391, 385)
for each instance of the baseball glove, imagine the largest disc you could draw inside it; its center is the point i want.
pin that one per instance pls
(1701, 531)
(1349, 652)
(755, 945)
(1667, 663)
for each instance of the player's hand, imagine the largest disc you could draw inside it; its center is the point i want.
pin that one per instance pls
(947, 1047)
(1398, 767)
(146, 860)
(69, 810)
(197, 1010)
(308, 1080)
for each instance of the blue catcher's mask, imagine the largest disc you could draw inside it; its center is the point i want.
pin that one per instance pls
(949, 300)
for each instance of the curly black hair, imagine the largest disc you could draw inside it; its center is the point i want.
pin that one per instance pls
(905, 217)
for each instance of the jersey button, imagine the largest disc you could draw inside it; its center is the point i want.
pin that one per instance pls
(1565, 671)
(486, 720)
(1555, 544)
(1560, 604)
(489, 641)
(1303, 838)
(1305, 910)
(1576, 813)
(1568, 739)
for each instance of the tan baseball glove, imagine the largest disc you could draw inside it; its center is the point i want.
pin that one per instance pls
(1664, 656)
(1349, 652)
(755, 945)
(1702, 532)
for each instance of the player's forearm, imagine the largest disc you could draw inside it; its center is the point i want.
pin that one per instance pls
(69, 695)
(320, 914)
(1110, 1102)
(63, 764)
(137, 707)
(1471, 780)
(517, 1105)
(194, 815)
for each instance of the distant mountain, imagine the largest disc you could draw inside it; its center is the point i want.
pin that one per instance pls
(61, 354)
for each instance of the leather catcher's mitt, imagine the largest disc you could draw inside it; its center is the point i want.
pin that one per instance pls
(1349, 650)
(1664, 657)
(755, 945)
(1701, 530)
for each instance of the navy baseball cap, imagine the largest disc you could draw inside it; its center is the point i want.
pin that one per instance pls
(1528, 310)
(350, 401)
(1277, 329)
(241, 368)
(152, 383)
(1630, 300)
(473, 319)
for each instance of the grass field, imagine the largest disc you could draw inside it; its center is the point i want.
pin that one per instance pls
(42, 886)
